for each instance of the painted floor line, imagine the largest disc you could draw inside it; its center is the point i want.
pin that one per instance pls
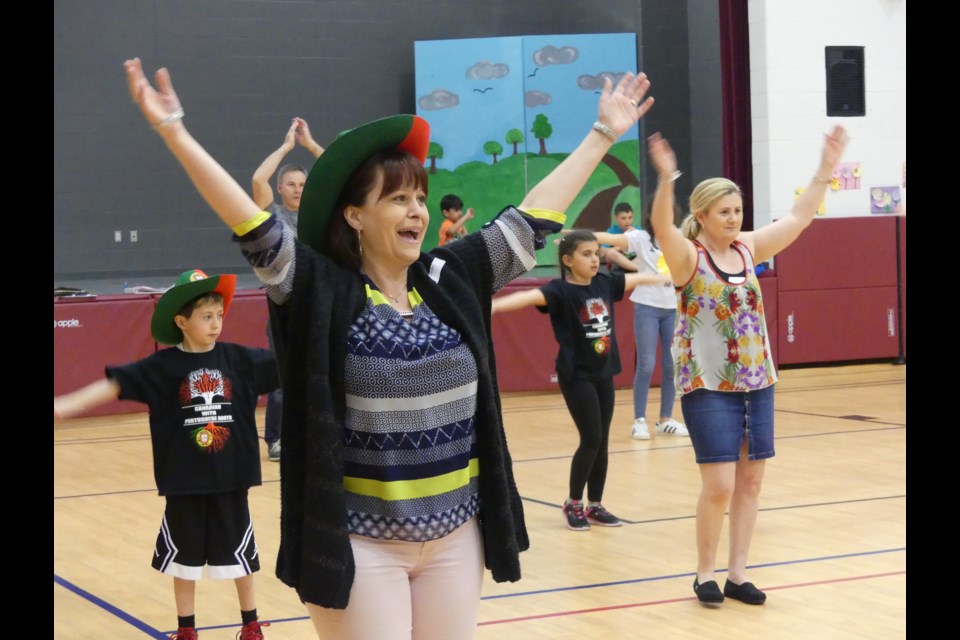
(690, 574)
(154, 633)
(634, 605)
(103, 604)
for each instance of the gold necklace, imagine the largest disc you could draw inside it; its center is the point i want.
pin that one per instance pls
(396, 298)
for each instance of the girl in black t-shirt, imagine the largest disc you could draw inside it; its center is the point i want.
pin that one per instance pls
(580, 304)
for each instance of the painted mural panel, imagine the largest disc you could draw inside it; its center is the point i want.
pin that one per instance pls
(504, 112)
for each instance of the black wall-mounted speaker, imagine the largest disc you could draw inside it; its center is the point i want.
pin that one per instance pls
(845, 91)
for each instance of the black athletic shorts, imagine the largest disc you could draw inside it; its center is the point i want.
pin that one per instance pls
(212, 530)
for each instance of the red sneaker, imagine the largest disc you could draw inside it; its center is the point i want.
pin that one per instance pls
(251, 630)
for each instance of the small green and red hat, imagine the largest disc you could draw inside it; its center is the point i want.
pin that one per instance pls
(344, 156)
(190, 285)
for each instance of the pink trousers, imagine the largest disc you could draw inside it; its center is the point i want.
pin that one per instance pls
(410, 590)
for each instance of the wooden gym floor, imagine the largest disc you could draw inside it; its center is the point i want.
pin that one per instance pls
(829, 547)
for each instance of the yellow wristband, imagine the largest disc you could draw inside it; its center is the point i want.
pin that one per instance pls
(250, 224)
(547, 214)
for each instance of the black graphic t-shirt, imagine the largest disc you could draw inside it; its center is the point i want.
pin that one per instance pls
(582, 319)
(202, 414)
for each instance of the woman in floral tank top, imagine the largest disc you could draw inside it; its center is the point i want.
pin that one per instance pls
(724, 372)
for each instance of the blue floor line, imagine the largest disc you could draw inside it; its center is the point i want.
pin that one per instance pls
(154, 633)
(688, 574)
(106, 606)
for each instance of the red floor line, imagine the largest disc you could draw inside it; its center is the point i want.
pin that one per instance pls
(633, 605)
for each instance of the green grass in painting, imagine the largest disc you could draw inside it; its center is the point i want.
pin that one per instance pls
(488, 188)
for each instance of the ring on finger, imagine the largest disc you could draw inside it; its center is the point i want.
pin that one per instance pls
(634, 102)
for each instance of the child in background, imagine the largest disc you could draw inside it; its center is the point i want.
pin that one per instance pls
(623, 216)
(454, 225)
(202, 397)
(580, 304)
(654, 316)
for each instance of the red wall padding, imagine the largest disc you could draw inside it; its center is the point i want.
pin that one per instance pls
(89, 335)
(246, 321)
(902, 221)
(838, 324)
(841, 253)
(838, 292)
(832, 297)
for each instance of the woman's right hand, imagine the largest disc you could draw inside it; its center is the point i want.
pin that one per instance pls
(156, 104)
(161, 108)
(661, 154)
(622, 106)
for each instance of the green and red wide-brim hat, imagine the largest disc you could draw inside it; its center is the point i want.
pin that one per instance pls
(191, 284)
(344, 156)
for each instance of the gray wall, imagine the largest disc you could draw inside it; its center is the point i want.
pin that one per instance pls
(706, 114)
(243, 68)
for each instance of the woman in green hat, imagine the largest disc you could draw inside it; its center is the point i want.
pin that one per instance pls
(397, 486)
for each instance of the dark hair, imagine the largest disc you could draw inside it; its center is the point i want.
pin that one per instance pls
(398, 168)
(287, 168)
(569, 243)
(206, 298)
(621, 207)
(450, 201)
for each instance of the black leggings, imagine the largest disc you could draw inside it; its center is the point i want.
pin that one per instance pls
(591, 407)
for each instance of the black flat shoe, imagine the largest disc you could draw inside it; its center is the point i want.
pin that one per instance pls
(746, 592)
(708, 593)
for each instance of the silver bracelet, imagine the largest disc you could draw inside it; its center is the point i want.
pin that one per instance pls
(169, 120)
(673, 177)
(605, 130)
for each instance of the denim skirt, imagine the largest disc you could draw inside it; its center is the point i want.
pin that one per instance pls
(720, 421)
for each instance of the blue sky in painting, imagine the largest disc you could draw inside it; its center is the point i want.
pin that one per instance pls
(475, 90)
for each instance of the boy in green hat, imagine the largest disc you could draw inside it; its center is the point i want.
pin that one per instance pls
(202, 397)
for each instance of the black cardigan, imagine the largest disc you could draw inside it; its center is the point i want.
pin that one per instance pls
(310, 331)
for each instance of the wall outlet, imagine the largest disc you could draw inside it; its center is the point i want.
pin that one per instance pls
(118, 236)
(133, 236)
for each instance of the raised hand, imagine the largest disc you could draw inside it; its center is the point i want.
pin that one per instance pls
(161, 108)
(469, 214)
(305, 138)
(158, 103)
(622, 106)
(302, 130)
(293, 134)
(661, 154)
(833, 145)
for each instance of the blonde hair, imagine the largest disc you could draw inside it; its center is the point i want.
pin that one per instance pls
(703, 197)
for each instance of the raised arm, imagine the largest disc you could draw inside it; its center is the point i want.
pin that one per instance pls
(161, 108)
(680, 254)
(619, 109)
(305, 139)
(773, 238)
(262, 192)
(633, 280)
(617, 240)
(518, 300)
(89, 397)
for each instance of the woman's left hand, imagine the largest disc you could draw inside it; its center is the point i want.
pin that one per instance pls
(622, 106)
(833, 145)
